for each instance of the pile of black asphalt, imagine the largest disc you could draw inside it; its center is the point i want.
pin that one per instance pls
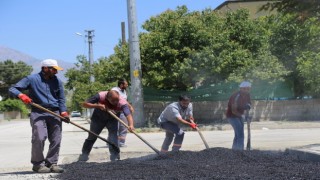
(214, 163)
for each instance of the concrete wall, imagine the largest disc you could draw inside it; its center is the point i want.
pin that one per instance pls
(12, 115)
(1, 116)
(210, 112)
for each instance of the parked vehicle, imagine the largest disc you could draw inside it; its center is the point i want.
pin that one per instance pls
(75, 114)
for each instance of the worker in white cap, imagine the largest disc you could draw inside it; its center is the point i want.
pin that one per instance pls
(46, 90)
(239, 102)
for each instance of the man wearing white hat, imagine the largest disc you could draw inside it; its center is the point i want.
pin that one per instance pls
(239, 102)
(46, 90)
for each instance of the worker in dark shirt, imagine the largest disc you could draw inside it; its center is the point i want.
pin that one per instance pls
(101, 102)
(239, 102)
(46, 90)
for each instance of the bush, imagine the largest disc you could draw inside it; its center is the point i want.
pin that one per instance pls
(13, 105)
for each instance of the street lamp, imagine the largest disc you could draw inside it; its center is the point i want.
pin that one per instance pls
(90, 54)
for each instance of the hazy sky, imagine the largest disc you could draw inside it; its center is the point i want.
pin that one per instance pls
(47, 28)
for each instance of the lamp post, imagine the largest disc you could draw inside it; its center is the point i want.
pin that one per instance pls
(90, 36)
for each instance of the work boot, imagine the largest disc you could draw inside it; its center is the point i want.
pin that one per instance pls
(41, 169)
(56, 169)
(114, 157)
(83, 157)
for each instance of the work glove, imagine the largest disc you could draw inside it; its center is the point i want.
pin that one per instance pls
(243, 117)
(193, 125)
(25, 99)
(66, 118)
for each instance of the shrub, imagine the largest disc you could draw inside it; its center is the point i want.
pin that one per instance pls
(13, 105)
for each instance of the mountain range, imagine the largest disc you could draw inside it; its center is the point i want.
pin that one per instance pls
(15, 55)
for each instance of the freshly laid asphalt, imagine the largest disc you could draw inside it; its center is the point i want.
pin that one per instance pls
(298, 138)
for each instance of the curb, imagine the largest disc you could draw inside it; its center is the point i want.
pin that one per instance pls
(303, 155)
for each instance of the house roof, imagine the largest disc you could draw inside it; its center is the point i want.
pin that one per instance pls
(251, 5)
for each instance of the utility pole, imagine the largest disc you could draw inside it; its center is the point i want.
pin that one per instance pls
(135, 65)
(123, 33)
(90, 35)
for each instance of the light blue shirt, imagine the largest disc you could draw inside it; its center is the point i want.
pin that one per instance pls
(174, 111)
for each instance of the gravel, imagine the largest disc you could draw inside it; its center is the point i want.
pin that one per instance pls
(214, 163)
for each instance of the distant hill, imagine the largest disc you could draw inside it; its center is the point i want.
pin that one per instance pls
(8, 53)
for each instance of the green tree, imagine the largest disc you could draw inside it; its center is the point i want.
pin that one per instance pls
(13, 105)
(11, 73)
(301, 9)
(182, 49)
(106, 72)
(308, 67)
(167, 45)
(79, 82)
(290, 39)
(116, 66)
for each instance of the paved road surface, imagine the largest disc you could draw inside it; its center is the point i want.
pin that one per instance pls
(15, 137)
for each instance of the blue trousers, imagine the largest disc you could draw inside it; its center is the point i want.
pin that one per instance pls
(238, 127)
(172, 130)
(122, 129)
(45, 126)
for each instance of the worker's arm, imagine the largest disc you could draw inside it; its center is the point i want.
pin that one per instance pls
(127, 112)
(93, 102)
(130, 107)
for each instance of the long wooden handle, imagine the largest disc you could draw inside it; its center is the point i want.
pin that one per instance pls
(115, 147)
(204, 141)
(249, 137)
(249, 131)
(117, 118)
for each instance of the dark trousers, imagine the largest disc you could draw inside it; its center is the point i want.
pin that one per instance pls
(99, 121)
(45, 125)
(172, 130)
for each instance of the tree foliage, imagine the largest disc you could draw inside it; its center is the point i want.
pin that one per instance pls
(301, 9)
(79, 82)
(13, 105)
(290, 39)
(11, 73)
(110, 69)
(308, 67)
(106, 72)
(183, 49)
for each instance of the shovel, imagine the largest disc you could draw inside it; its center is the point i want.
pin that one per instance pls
(204, 141)
(202, 137)
(115, 147)
(117, 118)
(249, 131)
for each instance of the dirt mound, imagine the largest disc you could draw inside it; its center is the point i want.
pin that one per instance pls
(214, 163)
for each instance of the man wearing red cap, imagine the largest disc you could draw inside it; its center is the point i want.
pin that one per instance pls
(46, 90)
